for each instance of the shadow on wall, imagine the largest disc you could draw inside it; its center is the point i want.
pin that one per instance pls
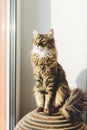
(34, 14)
(82, 84)
(82, 80)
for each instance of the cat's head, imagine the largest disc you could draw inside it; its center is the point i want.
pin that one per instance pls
(44, 40)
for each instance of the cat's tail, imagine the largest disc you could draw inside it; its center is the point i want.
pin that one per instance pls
(75, 105)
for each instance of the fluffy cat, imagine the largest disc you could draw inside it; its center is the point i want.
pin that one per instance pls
(52, 91)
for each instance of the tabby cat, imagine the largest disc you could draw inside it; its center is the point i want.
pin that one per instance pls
(51, 90)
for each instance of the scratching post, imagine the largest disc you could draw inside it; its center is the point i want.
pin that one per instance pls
(39, 121)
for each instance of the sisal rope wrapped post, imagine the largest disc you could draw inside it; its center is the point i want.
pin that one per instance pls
(39, 121)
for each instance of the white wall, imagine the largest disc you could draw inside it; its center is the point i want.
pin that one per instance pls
(69, 20)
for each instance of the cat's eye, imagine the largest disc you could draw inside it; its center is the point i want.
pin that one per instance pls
(44, 42)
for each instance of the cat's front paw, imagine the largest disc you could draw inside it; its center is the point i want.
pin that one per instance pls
(47, 111)
(39, 109)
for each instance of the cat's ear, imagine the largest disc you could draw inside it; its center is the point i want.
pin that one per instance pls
(51, 33)
(35, 33)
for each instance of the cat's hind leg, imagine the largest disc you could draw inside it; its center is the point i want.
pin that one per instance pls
(62, 93)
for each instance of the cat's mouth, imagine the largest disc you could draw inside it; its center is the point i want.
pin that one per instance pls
(40, 47)
(40, 51)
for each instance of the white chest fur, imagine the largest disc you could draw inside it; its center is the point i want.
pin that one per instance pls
(40, 51)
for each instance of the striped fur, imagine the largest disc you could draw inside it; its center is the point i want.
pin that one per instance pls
(51, 89)
(75, 105)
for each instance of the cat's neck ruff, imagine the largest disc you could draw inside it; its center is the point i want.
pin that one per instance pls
(40, 51)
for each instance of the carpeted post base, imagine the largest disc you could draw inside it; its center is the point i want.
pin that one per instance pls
(39, 121)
